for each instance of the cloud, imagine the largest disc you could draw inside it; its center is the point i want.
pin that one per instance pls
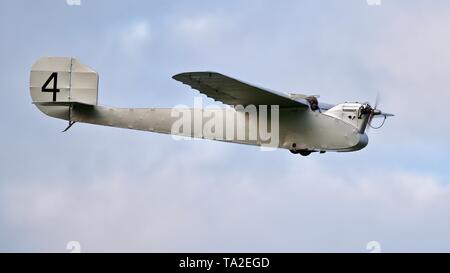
(118, 190)
(409, 54)
(135, 36)
(202, 29)
(301, 208)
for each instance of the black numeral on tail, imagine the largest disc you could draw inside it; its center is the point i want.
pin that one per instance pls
(54, 90)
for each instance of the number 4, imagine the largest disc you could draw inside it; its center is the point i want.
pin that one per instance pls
(54, 90)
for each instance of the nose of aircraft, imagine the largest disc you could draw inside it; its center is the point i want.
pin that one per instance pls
(363, 141)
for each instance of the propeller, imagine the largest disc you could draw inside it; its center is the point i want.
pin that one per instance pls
(374, 112)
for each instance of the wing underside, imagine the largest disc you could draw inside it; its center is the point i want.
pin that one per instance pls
(235, 92)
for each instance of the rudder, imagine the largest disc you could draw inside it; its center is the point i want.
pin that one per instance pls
(57, 82)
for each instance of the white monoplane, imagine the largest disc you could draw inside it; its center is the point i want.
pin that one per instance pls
(66, 89)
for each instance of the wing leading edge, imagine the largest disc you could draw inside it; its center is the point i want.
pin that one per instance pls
(235, 92)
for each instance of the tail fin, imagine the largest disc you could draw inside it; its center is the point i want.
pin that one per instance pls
(57, 83)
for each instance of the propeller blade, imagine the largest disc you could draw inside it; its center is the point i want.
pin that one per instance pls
(376, 113)
(369, 121)
(377, 100)
(373, 111)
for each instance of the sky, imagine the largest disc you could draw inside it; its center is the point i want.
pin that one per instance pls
(121, 190)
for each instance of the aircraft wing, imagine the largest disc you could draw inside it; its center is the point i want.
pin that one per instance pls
(235, 92)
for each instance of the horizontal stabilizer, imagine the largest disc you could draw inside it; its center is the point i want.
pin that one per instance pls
(62, 103)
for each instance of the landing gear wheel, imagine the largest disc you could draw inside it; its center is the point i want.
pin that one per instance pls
(304, 152)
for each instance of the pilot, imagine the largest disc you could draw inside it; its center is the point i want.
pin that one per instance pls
(313, 103)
